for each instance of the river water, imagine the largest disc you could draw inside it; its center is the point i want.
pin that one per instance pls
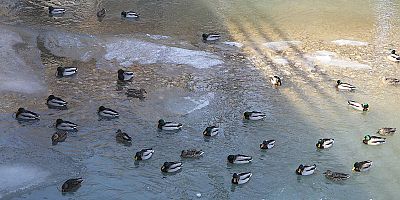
(310, 44)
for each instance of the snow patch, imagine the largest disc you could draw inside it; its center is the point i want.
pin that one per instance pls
(200, 102)
(326, 58)
(234, 44)
(349, 43)
(281, 45)
(280, 60)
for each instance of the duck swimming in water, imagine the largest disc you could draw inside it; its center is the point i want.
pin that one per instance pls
(391, 81)
(71, 185)
(107, 112)
(336, 176)
(325, 143)
(373, 140)
(345, 86)
(125, 75)
(56, 102)
(129, 14)
(241, 178)
(170, 167)
(358, 106)
(254, 115)
(362, 166)
(58, 137)
(386, 131)
(393, 56)
(66, 125)
(239, 159)
(144, 154)
(169, 126)
(66, 71)
(275, 80)
(211, 131)
(191, 153)
(267, 144)
(122, 137)
(23, 114)
(56, 11)
(306, 170)
(210, 36)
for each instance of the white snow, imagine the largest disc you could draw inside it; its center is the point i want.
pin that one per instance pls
(282, 45)
(330, 59)
(234, 44)
(344, 42)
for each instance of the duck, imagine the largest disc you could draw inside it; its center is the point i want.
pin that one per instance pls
(136, 93)
(393, 56)
(325, 143)
(169, 126)
(391, 81)
(122, 137)
(254, 115)
(66, 71)
(386, 131)
(56, 11)
(267, 144)
(56, 102)
(241, 178)
(170, 167)
(107, 112)
(129, 14)
(144, 154)
(362, 166)
(210, 36)
(374, 140)
(358, 106)
(336, 176)
(211, 131)
(58, 137)
(101, 13)
(23, 114)
(275, 80)
(239, 159)
(306, 170)
(71, 185)
(345, 86)
(125, 75)
(66, 125)
(191, 153)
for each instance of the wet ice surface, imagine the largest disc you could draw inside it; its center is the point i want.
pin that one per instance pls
(331, 59)
(281, 45)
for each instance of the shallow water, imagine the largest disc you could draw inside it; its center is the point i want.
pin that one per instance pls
(198, 85)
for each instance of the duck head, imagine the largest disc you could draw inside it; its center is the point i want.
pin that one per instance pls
(101, 108)
(246, 115)
(138, 156)
(204, 36)
(393, 51)
(235, 178)
(339, 82)
(51, 97)
(161, 122)
(58, 121)
(60, 71)
(357, 167)
(20, 110)
(365, 107)
(231, 158)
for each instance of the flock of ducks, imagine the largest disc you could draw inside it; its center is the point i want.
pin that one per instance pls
(63, 126)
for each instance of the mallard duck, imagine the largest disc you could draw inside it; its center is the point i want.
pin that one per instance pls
(254, 115)
(107, 112)
(23, 114)
(66, 71)
(101, 13)
(56, 102)
(239, 159)
(336, 176)
(66, 125)
(168, 126)
(129, 14)
(374, 140)
(211, 131)
(241, 178)
(306, 170)
(386, 131)
(136, 93)
(58, 137)
(362, 166)
(393, 56)
(191, 153)
(170, 167)
(144, 154)
(124, 75)
(210, 36)
(344, 86)
(325, 143)
(56, 11)
(391, 81)
(267, 144)
(122, 137)
(71, 185)
(358, 106)
(275, 80)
